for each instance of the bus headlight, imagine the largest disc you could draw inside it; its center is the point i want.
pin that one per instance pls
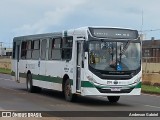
(137, 80)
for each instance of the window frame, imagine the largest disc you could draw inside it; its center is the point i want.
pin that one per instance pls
(34, 49)
(55, 48)
(64, 48)
(23, 50)
(29, 49)
(41, 57)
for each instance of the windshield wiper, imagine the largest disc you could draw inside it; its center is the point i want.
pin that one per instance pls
(124, 49)
(113, 62)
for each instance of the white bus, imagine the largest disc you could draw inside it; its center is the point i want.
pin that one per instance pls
(88, 61)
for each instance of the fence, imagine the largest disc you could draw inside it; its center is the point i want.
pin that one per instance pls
(151, 70)
(151, 64)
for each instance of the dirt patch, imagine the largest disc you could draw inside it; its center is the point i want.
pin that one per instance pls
(5, 63)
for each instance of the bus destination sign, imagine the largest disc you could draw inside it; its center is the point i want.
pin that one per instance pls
(114, 33)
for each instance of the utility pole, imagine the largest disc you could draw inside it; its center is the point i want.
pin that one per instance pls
(142, 22)
(142, 34)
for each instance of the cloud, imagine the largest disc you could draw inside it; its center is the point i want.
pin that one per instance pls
(22, 17)
(50, 18)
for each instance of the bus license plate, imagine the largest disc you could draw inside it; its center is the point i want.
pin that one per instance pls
(115, 89)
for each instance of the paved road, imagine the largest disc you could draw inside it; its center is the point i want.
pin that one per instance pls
(13, 96)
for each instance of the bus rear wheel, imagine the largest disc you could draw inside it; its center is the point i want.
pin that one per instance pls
(68, 92)
(113, 99)
(30, 87)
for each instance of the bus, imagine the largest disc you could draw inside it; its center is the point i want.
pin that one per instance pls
(87, 61)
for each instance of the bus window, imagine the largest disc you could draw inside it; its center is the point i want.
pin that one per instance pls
(50, 49)
(23, 50)
(56, 49)
(29, 50)
(36, 49)
(67, 48)
(43, 49)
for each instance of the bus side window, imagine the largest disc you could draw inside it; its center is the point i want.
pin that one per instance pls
(50, 49)
(36, 49)
(56, 49)
(43, 49)
(67, 48)
(29, 50)
(23, 50)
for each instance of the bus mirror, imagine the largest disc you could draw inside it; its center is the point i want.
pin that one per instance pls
(85, 46)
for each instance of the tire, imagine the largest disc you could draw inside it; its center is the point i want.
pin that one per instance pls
(68, 92)
(30, 87)
(113, 99)
(38, 89)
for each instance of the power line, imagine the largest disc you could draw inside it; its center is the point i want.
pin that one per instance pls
(151, 30)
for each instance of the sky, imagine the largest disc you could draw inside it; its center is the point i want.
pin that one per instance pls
(24, 17)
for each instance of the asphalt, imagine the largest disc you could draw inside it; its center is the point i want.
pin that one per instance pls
(14, 97)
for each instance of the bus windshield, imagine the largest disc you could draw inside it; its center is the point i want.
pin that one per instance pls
(114, 56)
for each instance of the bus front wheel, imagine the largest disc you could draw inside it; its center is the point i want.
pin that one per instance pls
(68, 92)
(113, 99)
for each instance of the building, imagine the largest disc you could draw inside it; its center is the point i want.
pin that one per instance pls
(151, 50)
(6, 52)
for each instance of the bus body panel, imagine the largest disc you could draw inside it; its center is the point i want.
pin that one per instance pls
(49, 73)
(91, 88)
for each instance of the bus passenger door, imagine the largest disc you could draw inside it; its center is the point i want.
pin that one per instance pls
(80, 66)
(17, 62)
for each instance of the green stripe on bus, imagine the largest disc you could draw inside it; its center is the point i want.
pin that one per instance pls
(86, 84)
(45, 78)
(138, 85)
(59, 80)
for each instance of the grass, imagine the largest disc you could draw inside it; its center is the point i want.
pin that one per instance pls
(151, 89)
(5, 71)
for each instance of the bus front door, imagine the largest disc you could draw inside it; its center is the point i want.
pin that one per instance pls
(80, 66)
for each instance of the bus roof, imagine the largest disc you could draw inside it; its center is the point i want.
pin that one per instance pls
(38, 36)
(86, 27)
(60, 34)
